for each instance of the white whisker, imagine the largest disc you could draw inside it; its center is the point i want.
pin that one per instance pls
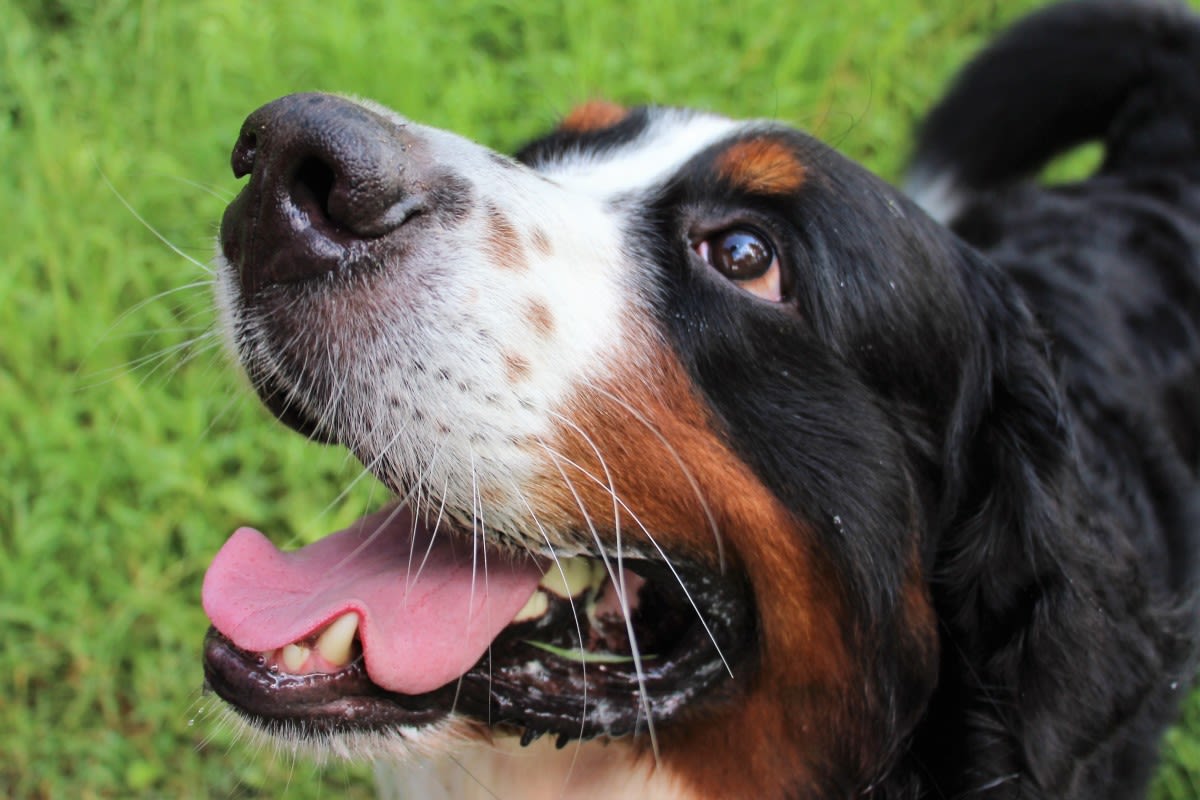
(683, 468)
(578, 631)
(662, 554)
(174, 248)
(192, 347)
(433, 532)
(368, 469)
(476, 531)
(224, 196)
(624, 601)
(396, 509)
(205, 283)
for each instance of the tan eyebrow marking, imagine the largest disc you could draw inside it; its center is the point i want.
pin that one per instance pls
(594, 115)
(762, 166)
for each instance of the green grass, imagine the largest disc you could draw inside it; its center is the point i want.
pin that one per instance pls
(130, 449)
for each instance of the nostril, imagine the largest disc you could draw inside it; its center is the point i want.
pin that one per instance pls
(312, 184)
(244, 154)
(327, 176)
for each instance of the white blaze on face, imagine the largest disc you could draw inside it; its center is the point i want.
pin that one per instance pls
(671, 139)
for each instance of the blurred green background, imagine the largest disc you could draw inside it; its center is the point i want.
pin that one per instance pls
(130, 448)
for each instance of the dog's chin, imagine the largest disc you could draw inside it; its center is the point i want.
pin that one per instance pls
(599, 649)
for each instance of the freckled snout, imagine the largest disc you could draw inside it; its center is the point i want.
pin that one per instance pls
(328, 178)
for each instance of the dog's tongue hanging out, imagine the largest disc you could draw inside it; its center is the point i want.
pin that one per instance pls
(429, 603)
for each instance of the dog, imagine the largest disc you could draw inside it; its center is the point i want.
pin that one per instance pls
(721, 467)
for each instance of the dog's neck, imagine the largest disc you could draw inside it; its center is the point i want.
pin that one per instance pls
(507, 771)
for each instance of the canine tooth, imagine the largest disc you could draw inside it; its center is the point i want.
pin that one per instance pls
(294, 656)
(537, 605)
(568, 577)
(599, 573)
(334, 644)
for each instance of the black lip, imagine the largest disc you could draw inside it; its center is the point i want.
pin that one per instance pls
(309, 704)
(517, 687)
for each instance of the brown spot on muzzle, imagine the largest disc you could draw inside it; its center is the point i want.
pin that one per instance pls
(594, 115)
(540, 318)
(503, 243)
(516, 367)
(761, 166)
(541, 242)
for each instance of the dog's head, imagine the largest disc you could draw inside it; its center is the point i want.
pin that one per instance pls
(676, 409)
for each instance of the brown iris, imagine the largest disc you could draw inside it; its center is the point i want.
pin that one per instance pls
(745, 257)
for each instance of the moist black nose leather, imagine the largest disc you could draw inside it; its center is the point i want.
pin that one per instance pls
(325, 173)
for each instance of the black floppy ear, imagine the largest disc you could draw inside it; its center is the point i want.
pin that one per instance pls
(1009, 465)
(1049, 640)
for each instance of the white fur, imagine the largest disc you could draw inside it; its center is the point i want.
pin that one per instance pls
(938, 192)
(673, 137)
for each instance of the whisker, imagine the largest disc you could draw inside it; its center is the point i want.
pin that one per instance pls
(683, 468)
(379, 529)
(194, 346)
(291, 771)
(433, 531)
(234, 399)
(410, 579)
(224, 196)
(205, 283)
(158, 235)
(618, 501)
(472, 776)
(662, 554)
(476, 530)
(368, 469)
(283, 389)
(479, 543)
(192, 349)
(578, 633)
(621, 597)
(149, 334)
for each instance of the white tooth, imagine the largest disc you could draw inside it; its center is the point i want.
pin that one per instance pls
(537, 605)
(599, 573)
(334, 644)
(568, 576)
(294, 656)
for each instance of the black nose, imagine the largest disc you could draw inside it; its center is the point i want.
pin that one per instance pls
(325, 174)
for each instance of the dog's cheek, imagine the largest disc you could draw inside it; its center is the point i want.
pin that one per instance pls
(646, 436)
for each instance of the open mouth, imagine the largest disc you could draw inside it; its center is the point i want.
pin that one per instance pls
(398, 622)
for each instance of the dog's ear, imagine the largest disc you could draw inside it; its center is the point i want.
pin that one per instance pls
(1046, 641)
(1008, 460)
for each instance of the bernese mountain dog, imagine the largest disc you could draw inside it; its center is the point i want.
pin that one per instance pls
(722, 468)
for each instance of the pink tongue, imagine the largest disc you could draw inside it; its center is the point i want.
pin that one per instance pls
(426, 614)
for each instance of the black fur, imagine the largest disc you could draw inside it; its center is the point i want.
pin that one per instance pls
(1067, 578)
(1030, 394)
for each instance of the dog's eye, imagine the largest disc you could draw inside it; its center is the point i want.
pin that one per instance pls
(745, 257)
